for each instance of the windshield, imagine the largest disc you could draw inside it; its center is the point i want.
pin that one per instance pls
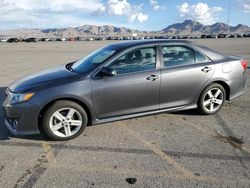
(94, 59)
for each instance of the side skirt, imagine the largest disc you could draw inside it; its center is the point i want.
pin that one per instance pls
(129, 116)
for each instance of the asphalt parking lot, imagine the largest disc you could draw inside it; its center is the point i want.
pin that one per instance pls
(182, 149)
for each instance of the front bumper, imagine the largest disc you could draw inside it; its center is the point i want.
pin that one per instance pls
(22, 118)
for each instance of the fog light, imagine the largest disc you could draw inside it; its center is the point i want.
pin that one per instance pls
(10, 121)
(15, 123)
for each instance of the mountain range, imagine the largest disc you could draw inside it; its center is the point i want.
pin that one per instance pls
(188, 27)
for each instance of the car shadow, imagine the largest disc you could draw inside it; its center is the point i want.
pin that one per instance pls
(192, 112)
(5, 134)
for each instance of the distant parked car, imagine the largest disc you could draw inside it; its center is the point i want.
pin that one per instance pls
(110, 38)
(187, 37)
(123, 80)
(3, 39)
(209, 36)
(203, 36)
(239, 35)
(98, 38)
(246, 35)
(12, 40)
(214, 36)
(30, 40)
(72, 39)
(51, 39)
(232, 36)
(44, 39)
(221, 35)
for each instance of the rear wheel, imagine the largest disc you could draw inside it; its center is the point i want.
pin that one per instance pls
(212, 99)
(64, 120)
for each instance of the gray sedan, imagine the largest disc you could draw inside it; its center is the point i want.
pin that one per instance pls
(123, 80)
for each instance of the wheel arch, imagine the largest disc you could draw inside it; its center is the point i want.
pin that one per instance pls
(50, 103)
(224, 84)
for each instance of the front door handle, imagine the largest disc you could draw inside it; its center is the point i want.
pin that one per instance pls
(206, 69)
(153, 77)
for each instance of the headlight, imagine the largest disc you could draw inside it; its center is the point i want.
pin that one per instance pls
(17, 98)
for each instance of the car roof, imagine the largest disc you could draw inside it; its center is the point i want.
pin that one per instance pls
(133, 43)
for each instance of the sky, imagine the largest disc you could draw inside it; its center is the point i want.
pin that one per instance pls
(148, 15)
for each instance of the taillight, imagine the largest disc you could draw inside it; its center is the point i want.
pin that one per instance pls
(244, 64)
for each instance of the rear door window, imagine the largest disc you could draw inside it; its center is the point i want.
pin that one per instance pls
(200, 58)
(174, 56)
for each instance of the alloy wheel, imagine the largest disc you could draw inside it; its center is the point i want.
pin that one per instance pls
(213, 99)
(65, 122)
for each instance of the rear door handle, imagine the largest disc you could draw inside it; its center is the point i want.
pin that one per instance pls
(206, 69)
(152, 77)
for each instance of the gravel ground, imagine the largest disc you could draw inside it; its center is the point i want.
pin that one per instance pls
(182, 149)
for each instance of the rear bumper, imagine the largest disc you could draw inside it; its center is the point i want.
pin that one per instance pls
(237, 86)
(21, 119)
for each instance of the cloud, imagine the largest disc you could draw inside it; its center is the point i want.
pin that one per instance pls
(200, 12)
(45, 21)
(154, 4)
(118, 7)
(246, 7)
(62, 13)
(245, 4)
(138, 16)
(123, 8)
(54, 6)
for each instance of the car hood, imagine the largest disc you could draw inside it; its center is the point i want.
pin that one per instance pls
(56, 75)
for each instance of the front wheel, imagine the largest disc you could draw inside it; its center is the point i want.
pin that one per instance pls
(64, 120)
(212, 99)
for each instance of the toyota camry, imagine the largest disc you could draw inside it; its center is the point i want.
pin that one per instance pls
(123, 80)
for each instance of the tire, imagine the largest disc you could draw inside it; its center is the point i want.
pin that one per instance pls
(211, 99)
(64, 120)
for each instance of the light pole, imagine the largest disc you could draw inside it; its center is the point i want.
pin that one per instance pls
(228, 17)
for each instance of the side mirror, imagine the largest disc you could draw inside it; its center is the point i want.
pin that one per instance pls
(105, 71)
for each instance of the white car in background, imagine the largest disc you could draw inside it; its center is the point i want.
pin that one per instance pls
(3, 39)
